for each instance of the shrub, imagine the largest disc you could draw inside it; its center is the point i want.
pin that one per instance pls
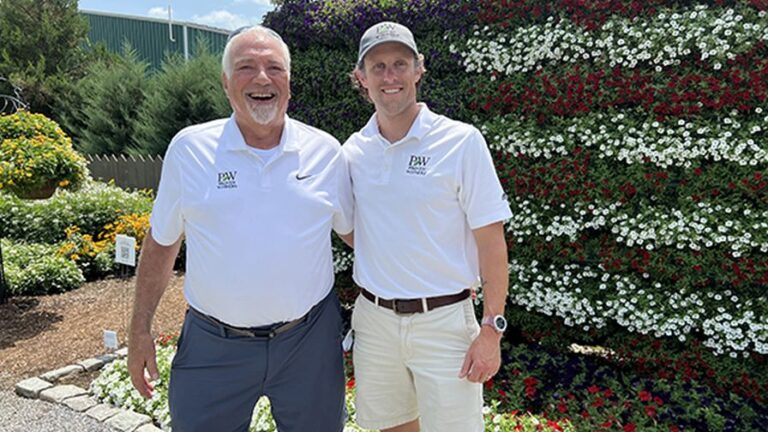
(109, 97)
(90, 209)
(33, 269)
(35, 153)
(43, 48)
(182, 94)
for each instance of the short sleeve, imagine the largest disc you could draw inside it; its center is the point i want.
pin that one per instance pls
(167, 221)
(343, 219)
(480, 193)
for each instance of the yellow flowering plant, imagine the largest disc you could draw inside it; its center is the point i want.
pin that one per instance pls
(36, 155)
(94, 254)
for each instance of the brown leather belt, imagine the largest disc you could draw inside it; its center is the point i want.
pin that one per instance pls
(409, 306)
(266, 332)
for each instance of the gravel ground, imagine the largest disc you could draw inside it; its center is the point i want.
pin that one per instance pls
(18, 414)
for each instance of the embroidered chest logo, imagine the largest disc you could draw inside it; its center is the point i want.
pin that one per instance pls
(417, 165)
(227, 180)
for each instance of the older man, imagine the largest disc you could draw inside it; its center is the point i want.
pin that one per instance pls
(256, 197)
(429, 210)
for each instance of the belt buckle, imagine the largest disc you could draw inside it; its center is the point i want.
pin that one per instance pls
(397, 310)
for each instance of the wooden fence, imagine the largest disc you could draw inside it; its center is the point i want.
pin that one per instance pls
(128, 172)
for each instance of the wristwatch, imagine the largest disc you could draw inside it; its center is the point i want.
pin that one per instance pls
(496, 322)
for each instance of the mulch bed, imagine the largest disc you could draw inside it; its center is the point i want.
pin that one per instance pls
(39, 334)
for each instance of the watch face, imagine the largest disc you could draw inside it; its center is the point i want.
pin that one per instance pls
(500, 323)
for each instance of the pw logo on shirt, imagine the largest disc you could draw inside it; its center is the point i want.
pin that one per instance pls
(417, 165)
(227, 180)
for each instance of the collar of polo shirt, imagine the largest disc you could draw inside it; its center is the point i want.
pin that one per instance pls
(421, 125)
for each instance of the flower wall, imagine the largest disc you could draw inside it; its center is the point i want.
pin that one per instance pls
(631, 138)
(629, 135)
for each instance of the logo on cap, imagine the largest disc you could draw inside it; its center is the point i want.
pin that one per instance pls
(386, 29)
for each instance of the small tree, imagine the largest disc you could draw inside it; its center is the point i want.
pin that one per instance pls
(42, 47)
(182, 94)
(110, 95)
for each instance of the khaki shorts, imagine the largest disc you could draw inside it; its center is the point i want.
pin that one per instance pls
(407, 367)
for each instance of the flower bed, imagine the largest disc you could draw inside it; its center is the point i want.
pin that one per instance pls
(113, 386)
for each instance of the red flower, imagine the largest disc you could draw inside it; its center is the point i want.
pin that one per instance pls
(658, 401)
(644, 396)
(562, 408)
(351, 383)
(608, 393)
(554, 426)
(650, 410)
(593, 389)
(530, 392)
(630, 427)
(530, 381)
(598, 402)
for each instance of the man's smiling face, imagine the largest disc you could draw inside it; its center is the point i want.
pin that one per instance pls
(390, 74)
(258, 87)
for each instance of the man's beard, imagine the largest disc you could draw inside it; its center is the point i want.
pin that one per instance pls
(263, 114)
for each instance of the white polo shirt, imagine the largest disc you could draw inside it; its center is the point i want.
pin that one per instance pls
(416, 204)
(258, 234)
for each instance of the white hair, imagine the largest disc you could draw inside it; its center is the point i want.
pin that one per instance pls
(263, 32)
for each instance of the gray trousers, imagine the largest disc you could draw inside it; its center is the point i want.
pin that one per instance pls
(216, 378)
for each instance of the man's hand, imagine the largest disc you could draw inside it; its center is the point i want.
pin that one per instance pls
(483, 358)
(141, 357)
(155, 267)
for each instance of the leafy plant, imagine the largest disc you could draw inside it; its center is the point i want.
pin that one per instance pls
(90, 209)
(35, 153)
(34, 269)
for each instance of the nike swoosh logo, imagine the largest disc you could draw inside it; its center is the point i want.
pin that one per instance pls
(301, 177)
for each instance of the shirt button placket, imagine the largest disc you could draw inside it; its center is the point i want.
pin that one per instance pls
(386, 168)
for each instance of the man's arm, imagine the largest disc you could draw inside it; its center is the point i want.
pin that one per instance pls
(349, 239)
(483, 358)
(154, 272)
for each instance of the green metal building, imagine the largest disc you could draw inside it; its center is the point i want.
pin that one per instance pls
(152, 38)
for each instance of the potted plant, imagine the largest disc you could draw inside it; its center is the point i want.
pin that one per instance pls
(36, 157)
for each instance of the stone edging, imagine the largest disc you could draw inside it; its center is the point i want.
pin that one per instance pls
(45, 387)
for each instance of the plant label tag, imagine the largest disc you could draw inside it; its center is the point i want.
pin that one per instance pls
(125, 250)
(349, 339)
(110, 339)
